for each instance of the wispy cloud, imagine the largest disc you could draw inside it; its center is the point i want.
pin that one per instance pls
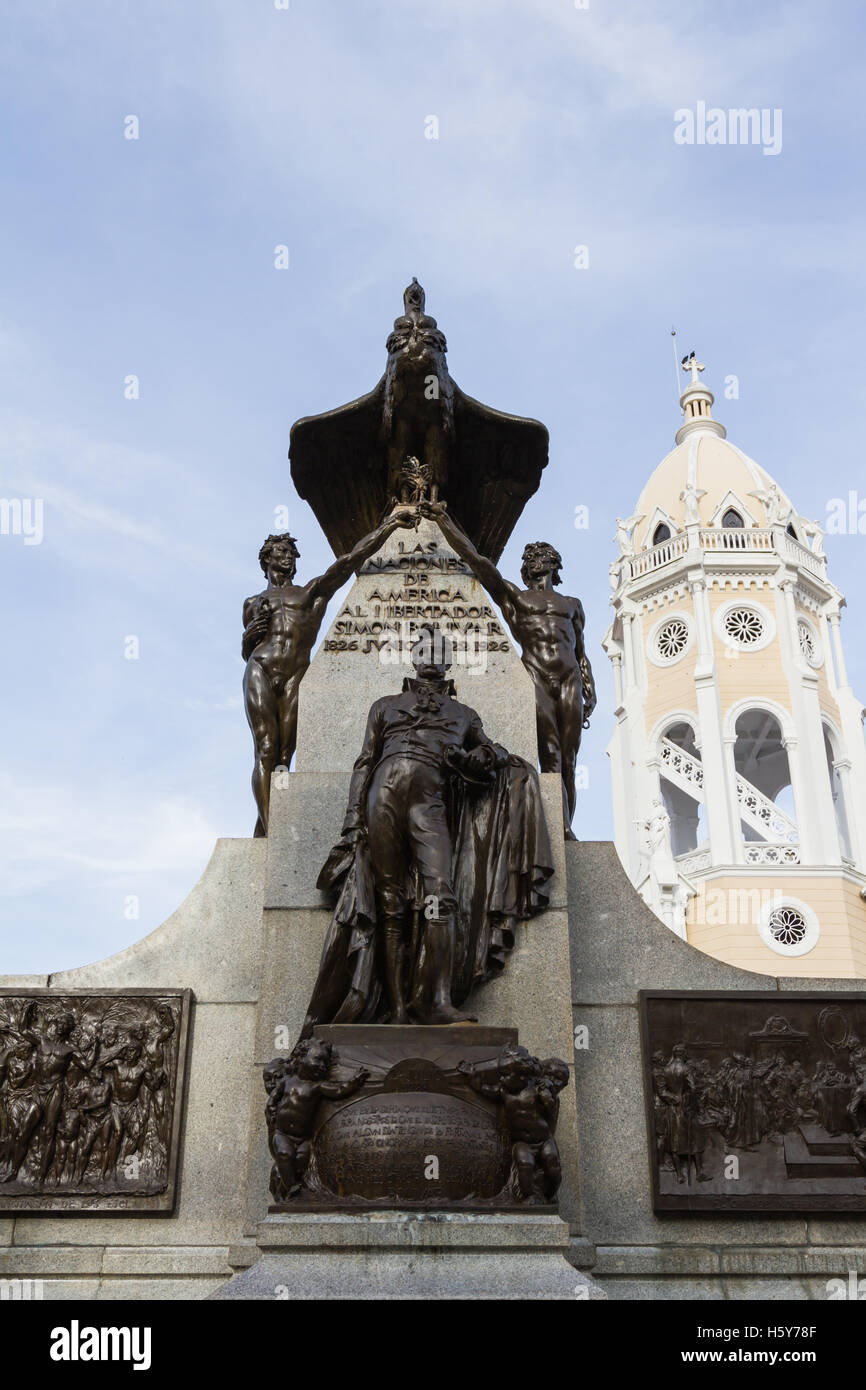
(35, 455)
(52, 830)
(306, 126)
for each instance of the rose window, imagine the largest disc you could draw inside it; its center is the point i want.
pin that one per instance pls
(672, 639)
(744, 626)
(787, 926)
(807, 641)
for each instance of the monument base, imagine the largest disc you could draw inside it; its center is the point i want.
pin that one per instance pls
(416, 1135)
(241, 962)
(411, 1255)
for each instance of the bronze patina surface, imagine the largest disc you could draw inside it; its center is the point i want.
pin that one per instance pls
(549, 629)
(280, 626)
(456, 1118)
(348, 463)
(756, 1101)
(91, 1098)
(444, 847)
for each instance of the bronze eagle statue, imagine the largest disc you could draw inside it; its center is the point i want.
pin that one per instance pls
(347, 463)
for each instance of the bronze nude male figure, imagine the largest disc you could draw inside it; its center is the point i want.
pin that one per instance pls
(549, 628)
(280, 626)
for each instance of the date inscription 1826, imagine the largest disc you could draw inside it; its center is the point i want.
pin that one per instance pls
(420, 584)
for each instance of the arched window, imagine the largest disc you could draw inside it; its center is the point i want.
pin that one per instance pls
(761, 758)
(687, 814)
(791, 532)
(732, 519)
(661, 533)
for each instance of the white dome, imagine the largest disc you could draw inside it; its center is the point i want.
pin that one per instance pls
(726, 476)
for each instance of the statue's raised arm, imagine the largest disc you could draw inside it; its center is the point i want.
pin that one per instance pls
(501, 590)
(549, 629)
(280, 626)
(327, 584)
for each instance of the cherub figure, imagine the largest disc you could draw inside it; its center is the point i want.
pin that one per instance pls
(528, 1090)
(295, 1086)
(552, 1080)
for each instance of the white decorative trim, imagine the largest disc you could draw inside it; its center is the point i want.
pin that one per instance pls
(658, 517)
(692, 461)
(837, 742)
(782, 716)
(760, 852)
(767, 620)
(668, 721)
(794, 552)
(810, 921)
(746, 873)
(694, 861)
(804, 599)
(682, 620)
(681, 768)
(731, 500)
(763, 814)
(734, 579)
(659, 598)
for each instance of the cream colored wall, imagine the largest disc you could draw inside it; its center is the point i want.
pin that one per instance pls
(840, 951)
(749, 673)
(828, 704)
(856, 911)
(841, 947)
(760, 673)
(670, 688)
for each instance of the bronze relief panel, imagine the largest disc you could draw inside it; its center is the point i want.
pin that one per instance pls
(91, 1099)
(755, 1101)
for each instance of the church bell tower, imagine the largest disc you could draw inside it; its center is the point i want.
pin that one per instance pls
(738, 756)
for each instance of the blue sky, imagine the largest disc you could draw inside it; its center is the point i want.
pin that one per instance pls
(306, 127)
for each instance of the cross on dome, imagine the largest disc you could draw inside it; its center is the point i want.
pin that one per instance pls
(696, 402)
(691, 363)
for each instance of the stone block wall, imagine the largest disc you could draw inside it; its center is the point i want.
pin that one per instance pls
(618, 947)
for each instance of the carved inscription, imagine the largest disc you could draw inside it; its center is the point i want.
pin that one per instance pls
(383, 1146)
(420, 584)
(456, 1118)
